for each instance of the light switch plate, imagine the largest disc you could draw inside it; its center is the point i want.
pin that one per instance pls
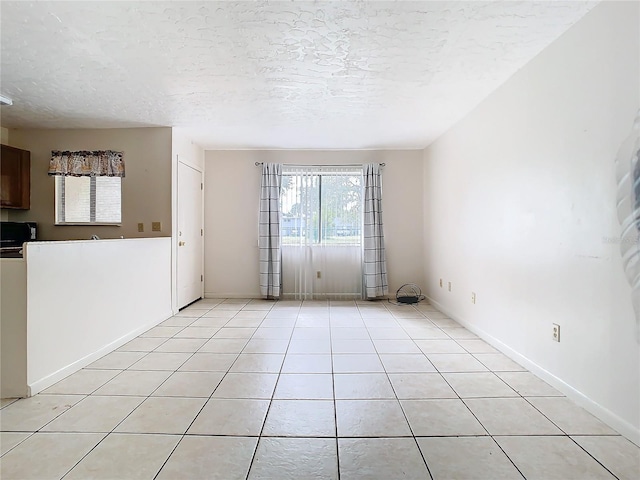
(156, 226)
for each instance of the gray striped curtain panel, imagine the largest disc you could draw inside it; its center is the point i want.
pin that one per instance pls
(269, 230)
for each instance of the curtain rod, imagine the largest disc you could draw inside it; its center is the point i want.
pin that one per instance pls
(295, 165)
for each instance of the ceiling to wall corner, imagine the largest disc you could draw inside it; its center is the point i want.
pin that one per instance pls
(257, 74)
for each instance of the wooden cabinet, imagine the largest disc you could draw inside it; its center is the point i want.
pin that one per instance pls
(15, 175)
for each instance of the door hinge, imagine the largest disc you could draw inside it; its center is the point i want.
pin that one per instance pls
(202, 186)
(201, 232)
(202, 278)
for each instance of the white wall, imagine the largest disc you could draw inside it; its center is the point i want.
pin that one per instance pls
(186, 150)
(86, 298)
(232, 190)
(519, 199)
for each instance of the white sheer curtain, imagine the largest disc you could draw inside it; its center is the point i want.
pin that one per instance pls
(322, 232)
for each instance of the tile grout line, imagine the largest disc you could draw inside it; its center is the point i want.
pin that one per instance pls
(333, 386)
(84, 456)
(506, 455)
(404, 413)
(478, 420)
(194, 418)
(184, 434)
(264, 422)
(112, 431)
(30, 434)
(81, 400)
(211, 396)
(594, 458)
(169, 456)
(280, 373)
(566, 434)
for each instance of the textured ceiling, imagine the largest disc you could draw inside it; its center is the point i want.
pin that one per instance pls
(284, 74)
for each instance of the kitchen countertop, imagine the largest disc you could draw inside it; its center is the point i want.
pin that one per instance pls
(11, 252)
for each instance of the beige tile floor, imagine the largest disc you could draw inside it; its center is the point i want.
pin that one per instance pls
(250, 389)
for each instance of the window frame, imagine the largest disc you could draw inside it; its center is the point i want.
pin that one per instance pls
(326, 171)
(59, 188)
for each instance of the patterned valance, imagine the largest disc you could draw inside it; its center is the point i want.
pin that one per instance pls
(98, 163)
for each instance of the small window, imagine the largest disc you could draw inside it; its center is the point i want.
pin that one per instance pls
(88, 200)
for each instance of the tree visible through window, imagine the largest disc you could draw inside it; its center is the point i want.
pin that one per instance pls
(322, 206)
(88, 200)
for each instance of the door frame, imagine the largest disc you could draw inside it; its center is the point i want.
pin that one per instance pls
(177, 158)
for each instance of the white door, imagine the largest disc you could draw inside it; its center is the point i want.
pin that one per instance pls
(190, 235)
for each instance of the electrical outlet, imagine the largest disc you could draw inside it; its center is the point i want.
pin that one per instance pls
(141, 227)
(556, 332)
(156, 226)
(449, 286)
(440, 283)
(473, 297)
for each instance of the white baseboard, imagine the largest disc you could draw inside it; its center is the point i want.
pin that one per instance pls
(46, 382)
(607, 416)
(257, 296)
(231, 295)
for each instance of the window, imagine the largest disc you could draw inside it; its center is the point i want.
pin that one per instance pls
(88, 200)
(321, 206)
